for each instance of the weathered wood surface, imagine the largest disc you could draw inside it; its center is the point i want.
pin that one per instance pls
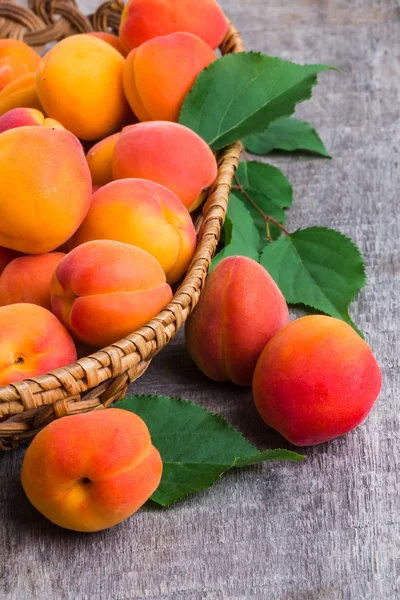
(329, 528)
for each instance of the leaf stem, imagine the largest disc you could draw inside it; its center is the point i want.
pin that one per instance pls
(268, 219)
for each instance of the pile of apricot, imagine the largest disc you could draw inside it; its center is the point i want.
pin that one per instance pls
(97, 180)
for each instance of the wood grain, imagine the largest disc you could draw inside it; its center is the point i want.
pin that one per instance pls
(326, 529)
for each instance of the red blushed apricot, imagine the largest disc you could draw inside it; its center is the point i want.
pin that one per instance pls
(316, 380)
(111, 39)
(188, 166)
(45, 188)
(143, 20)
(158, 75)
(32, 342)
(20, 93)
(240, 309)
(89, 472)
(27, 279)
(21, 117)
(79, 83)
(105, 290)
(99, 159)
(144, 214)
(6, 256)
(16, 59)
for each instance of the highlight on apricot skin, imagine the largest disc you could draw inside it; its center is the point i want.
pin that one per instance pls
(316, 380)
(240, 309)
(28, 278)
(45, 188)
(144, 214)
(79, 83)
(20, 93)
(16, 59)
(158, 75)
(32, 342)
(188, 166)
(91, 471)
(104, 290)
(100, 160)
(143, 20)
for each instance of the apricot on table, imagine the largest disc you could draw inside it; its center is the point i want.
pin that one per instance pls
(144, 214)
(27, 279)
(187, 166)
(32, 342)
(240, 309)
(79, 83)
(20, 117)
(143, 20)
(45, 188)
(16, 59)
(104, 290)
(20, 93)
(316, 380)
(158, 75)
(91, 471)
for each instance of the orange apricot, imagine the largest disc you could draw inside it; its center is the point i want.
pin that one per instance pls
(158, 75)
(20, 93)
(144, 214)
(19, 117)
(111, 39)
(143, 20)
(104, 290)
(79, 83)
(99, 159)
(81, 484)
(16, 59)
(188, 166)
(32, 342)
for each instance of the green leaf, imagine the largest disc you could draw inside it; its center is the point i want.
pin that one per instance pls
(318, 267)
(241, 94)
(286, 134)
(241, 234)
(196, 446)
(270, 191)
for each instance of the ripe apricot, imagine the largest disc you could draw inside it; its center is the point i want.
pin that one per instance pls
(20, 117)
(27, 279)
(158, 75)
(81, 484)
(45, 188)
(20, 93)
(187, 168)
(79, 83)
(316, 380)
(105, 290)
(32, 342)
(16, 59)
(99, 159)
(240, 309)
(111, 39)
(144, 214)
(143, 20)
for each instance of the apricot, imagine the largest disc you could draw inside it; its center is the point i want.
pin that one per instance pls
(20, 117)
(16, 59)
(187, 168)
(143, 20)
(99, 159)
(79, 83)
(32, 342)
(6, 256)
(91, 471)
(28, 278)
(45, 188)
(158, 75)
(316, 380)
(111, 39)
(144, 214)
(20, 93)
(104, 290)
(240, 309)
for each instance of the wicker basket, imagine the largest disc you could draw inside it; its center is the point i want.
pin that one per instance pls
(96, 381)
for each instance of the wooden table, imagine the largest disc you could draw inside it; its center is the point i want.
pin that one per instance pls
(325, 529)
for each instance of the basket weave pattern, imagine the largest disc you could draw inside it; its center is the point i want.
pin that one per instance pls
(96, 381)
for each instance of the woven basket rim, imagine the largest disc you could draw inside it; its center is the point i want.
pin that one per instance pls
(58, 389)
